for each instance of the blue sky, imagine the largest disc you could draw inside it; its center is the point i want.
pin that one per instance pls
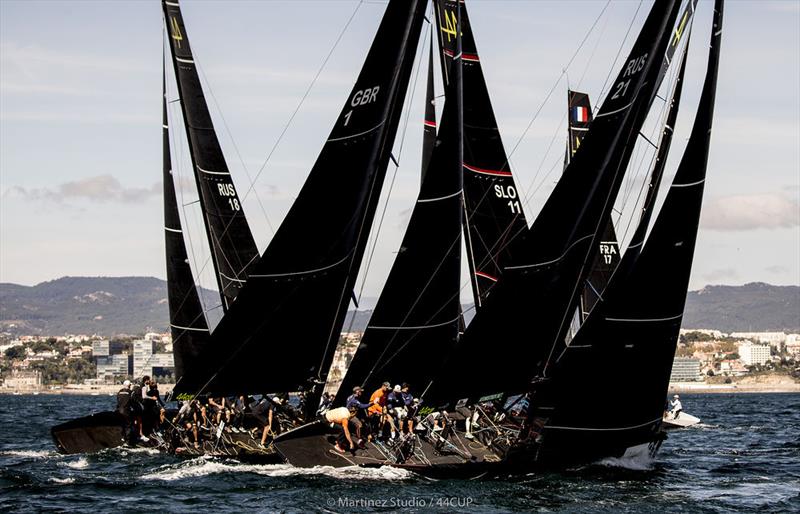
(80, 122)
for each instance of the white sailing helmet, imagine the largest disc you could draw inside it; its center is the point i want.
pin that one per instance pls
(127, 383)
(676, 397)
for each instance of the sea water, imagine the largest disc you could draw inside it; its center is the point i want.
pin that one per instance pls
(743, 457)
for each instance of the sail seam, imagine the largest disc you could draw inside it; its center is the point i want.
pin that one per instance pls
(188, 328)
(213, 172)
(600, 115)
(425, 200)
(417, 327)
(690, 184)
(273, 275)
(233, 279)
(498, 173)
(552, 261)
(376, 127)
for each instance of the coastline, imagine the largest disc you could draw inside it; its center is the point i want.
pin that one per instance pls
(679, 387)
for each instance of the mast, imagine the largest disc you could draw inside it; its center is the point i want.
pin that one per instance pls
(631, 336)
(529, 310)
(292, 311)
(418, 315)
(579, 117)
(429, 123)
(233, 250)
(187, 321)
(607, 253)
(494, 212)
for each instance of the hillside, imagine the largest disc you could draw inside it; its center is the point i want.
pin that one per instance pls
(130, 305)
(86, 305)
(752, 307)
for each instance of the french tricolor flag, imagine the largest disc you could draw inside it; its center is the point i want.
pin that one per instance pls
(580, 114)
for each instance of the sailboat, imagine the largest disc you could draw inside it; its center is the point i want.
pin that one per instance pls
(510, 387)
(530, 394)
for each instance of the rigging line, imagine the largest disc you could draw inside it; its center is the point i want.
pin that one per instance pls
(394, 175)
(233, 142)
(385, 146)
(408, 313)
(544, 158)
(288, 124)
(667, 105)
(619, 51)
(179, 162)
(303, 98)
(391, 186)
(594, 51)
(552, 89)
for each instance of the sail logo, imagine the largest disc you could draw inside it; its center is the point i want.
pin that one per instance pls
(176, 31)
(679, 30)
(450, 25)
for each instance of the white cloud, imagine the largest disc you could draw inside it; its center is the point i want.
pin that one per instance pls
(102, 188)
(751, 212)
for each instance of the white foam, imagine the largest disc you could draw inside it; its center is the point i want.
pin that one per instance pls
(81, 463)
(31, 454)
(204, 466)
(68, 480)
(636, 458)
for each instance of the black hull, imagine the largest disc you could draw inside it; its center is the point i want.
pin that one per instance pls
(90, 434)
(312, 445)
(104, 430)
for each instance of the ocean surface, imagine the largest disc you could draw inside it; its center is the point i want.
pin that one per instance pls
(743, 457)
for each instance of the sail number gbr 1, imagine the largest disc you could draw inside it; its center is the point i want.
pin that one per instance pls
(509, 193)
(361, 97)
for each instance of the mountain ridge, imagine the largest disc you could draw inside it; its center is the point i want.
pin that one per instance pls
(109, 306)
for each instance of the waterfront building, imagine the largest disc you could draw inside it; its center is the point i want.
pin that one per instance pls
(23, 379)
(147, 362)
(776, 339)
(685, 369)
(751, 353)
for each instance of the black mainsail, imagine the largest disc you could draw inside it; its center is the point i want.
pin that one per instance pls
(291, 311)
(627, 344)
(529, 310)
(493, 205)
(233, 250)
(187, 320)
(418, 315)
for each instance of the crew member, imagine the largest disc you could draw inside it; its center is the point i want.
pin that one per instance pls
(676, 407)
(342, 416)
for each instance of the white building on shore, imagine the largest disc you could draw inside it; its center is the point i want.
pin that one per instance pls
(752, 353)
